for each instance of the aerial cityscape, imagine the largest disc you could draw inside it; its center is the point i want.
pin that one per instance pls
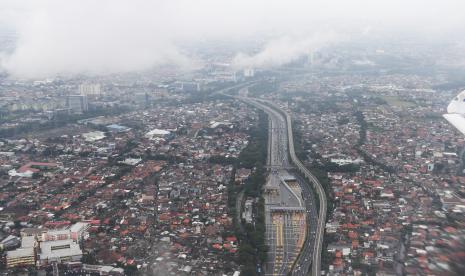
(232, 138)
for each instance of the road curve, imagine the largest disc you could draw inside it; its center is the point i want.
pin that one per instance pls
(318, 246)
(316, 264)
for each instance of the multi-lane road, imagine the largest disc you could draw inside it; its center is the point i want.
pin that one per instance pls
(304, 262)
(284, 207)
(318, 246)
(288, 253)
(282, 225)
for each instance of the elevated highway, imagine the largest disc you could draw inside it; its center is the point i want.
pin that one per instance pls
(319, 235)
(314, 237)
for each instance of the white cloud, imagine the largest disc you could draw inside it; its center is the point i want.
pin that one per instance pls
(70, 38)
(106, 36)
(285, 49)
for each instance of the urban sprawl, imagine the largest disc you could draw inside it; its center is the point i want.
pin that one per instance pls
(191, 175)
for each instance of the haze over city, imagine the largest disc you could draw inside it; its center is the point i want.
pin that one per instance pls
(232, 138)
(101, 37)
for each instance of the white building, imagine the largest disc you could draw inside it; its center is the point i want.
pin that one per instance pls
(27, 174)
(58, 251)
(23, 256)
(131, 161)
(20, 257)
(79, 231)
(103, 269)
(41, 246)
(93, 136)
(157, 133)
(249, 72)
(90, 89)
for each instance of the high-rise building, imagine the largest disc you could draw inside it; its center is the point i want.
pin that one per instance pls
(90, 89)
(77, 103)
(249, 72)
(141, 98)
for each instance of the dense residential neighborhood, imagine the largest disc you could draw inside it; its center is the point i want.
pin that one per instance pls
(135, 141)
(391, 162)
(149, 188)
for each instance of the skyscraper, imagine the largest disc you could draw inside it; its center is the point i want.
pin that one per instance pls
(77, 103)
(90, 89)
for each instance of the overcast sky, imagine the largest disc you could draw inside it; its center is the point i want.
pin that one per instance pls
(107, 36)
